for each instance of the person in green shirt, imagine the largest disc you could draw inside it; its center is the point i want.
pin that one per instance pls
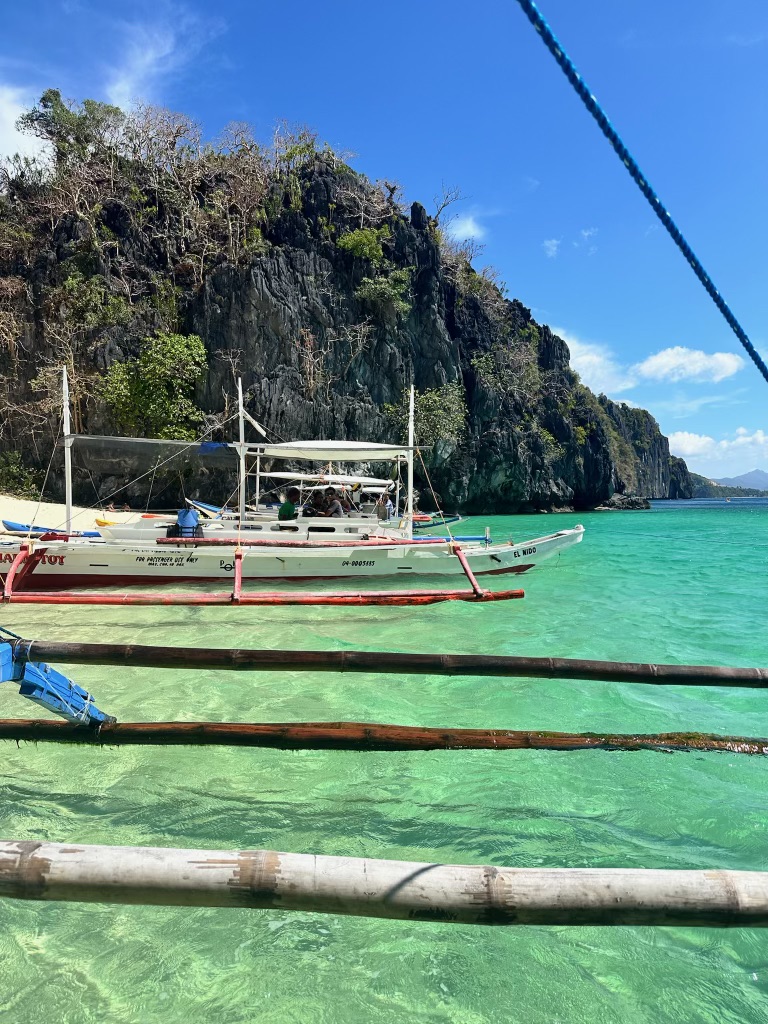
(288, 508)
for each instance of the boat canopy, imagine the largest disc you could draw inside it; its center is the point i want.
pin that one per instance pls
(97, 446)
(333, 451)
(327, 478)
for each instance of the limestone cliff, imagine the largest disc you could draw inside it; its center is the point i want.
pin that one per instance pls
(330, 299)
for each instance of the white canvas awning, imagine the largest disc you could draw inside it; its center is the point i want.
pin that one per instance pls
(333, 451)
(326, 478)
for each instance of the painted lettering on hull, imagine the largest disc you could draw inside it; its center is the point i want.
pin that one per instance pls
(45, 559)
(163, 561)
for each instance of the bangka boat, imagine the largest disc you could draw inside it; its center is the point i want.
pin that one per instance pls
(156, 550)
(276, 555)
(427, 522)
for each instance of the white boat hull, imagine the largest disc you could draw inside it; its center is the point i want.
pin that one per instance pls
(74, 563)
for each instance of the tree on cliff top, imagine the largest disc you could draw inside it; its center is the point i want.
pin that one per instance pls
(74, 130)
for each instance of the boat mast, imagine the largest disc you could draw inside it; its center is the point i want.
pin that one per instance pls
(409, 498)
(67, 451)
(241, 449)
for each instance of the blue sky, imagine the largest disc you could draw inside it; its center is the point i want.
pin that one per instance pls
(431, 93)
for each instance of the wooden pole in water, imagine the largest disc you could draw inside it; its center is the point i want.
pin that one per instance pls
(400, 890)
(362, 736)
(381, 662)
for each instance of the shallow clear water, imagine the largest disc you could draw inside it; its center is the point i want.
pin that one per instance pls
(686, 582)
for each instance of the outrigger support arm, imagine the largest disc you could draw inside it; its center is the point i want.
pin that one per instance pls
(45, 686)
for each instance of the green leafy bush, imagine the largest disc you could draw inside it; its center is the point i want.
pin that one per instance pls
(90, 303)
(386, 295)
(552, 449)
(365, 243)
(511, 370)
(16, 479)
(152, 396)
(440, 414)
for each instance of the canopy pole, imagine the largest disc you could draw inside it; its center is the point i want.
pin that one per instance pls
(67, 451)
(368, 887)
(411, 433)
(258, 479)
(241, 450)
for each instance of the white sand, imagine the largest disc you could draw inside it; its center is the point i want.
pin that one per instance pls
(47, 513)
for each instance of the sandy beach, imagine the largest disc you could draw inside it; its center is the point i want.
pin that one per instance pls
(47, 513)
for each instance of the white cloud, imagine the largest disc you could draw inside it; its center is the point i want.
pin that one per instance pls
(154, 50)
(679, 363)
(551, 247)
(688, 445)
(596, 365)
(602, 371)
(13, 103)
(465, 227)
(588, 233)
(682, 406)
(743, 448)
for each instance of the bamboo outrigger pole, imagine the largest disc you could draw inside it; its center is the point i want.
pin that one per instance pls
(399, 890)
(362, 736)
(381, 662)
(404, 598)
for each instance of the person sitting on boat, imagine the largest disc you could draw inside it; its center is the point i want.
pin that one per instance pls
(315, 506)
(288, 508)
(332, 504)
(384, 507)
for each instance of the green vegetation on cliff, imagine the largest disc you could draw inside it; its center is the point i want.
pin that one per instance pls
(159, 267)
(152, 395)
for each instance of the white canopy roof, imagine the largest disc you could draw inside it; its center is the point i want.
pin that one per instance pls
(326, 478)
(334, 451)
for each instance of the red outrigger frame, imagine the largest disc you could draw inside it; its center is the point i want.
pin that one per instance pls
(28, 558)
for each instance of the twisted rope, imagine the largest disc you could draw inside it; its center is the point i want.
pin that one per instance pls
(548, 38)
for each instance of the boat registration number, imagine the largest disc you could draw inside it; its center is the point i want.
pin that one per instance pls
(356, 562)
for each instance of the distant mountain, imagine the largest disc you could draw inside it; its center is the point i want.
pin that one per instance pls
(754, 478)
(705, 488)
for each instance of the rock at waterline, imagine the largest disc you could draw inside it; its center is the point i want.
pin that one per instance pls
(624, 503)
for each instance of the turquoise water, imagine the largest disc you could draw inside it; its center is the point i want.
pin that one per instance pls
(686, 582)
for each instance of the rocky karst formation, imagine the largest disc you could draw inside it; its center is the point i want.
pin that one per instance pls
(324, 293)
